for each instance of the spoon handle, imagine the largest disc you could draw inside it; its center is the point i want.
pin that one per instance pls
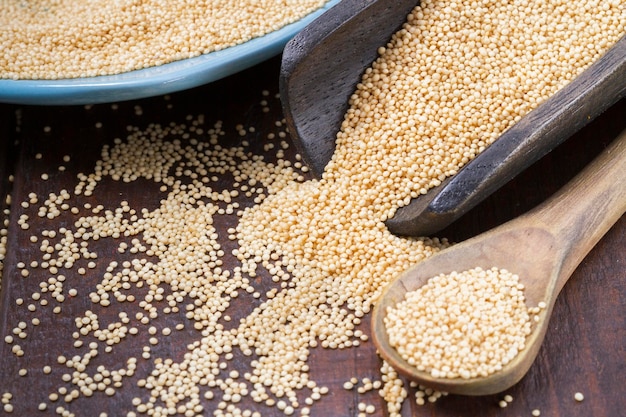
(581, 213)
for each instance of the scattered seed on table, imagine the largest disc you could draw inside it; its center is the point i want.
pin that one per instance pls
(323, 243)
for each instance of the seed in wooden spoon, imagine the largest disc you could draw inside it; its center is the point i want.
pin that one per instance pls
(463, 324)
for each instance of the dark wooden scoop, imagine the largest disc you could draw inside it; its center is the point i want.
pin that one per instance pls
(323, 63)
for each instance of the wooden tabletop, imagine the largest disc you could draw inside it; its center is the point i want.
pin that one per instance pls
(584, 350)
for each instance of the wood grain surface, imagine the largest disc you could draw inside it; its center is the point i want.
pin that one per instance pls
(584, 350)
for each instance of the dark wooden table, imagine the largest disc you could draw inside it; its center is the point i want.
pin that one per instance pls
(584, 350)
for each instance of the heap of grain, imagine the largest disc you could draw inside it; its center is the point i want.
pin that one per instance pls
(449, 83)
(73, 38)
(464, 324)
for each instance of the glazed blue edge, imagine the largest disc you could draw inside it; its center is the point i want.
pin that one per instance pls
(154, 81)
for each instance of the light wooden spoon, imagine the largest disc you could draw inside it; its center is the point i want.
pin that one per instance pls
(543, 247)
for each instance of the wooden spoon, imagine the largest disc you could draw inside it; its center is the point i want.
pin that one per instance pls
(323, 63)
(543, 247)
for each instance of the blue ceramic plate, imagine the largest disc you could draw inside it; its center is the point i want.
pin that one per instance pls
(148, 82)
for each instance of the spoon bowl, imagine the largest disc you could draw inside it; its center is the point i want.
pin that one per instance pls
(543, 247)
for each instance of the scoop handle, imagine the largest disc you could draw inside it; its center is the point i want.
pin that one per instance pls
(580, 213)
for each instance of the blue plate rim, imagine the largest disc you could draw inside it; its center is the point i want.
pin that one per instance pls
(158, 80)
